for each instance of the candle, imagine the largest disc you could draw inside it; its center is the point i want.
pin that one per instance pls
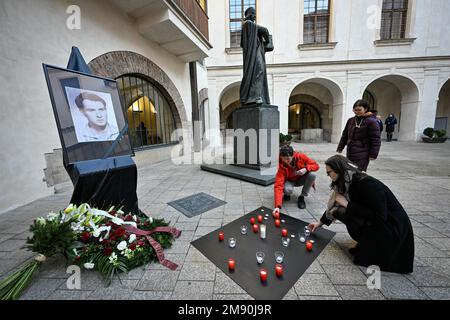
(255, 228)
(309, 245)
(284, 232)
(276, 215)
(277, 223)
(231, 264)
(262, 228)
(263, 275)
(252, 220)
(278, 270)
(221, 236)
(260, 218)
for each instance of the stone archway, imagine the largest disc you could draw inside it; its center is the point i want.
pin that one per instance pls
(118, 63)
(443, 108)
(400, 95)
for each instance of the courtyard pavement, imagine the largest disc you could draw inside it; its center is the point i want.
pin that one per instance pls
(417, 173)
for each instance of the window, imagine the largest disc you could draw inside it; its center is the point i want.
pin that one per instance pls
(237, 10)
(316, 21)
(393, 19)
(150, 119)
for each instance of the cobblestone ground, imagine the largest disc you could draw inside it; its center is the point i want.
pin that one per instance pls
(417, 173)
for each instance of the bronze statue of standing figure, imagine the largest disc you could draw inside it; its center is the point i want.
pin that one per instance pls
(255, 42)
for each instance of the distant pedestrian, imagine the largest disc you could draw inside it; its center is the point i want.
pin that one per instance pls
(378, 118)
(361, 136)
(390, 123)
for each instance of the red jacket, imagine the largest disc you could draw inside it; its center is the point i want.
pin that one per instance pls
(284, 173)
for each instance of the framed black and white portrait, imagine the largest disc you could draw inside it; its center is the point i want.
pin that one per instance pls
(89, 115)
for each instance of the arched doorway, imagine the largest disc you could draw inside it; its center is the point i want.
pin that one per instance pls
(443, 108)
(399, 95)
(149, 78)
(150, 119)
(229, 101)
(303, 116)
(316, 104)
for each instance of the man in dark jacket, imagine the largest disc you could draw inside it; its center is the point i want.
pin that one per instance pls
(361, 136)
(390, 123)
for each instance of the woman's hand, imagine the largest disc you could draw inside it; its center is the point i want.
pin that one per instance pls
(314, 226)
(340, 200)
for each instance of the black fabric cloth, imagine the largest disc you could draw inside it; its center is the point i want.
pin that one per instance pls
(254, 87)
(363, 142)
(377, 221)
(104, 183)
(77, 63)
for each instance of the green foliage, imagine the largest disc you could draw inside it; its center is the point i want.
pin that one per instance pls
(428, 132)
(284, 138)
(441, 133)
(50, 237)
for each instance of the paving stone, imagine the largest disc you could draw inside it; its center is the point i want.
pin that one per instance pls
(352, 292)
(117, 290)
(311, 284)
(210, 223)
(399, 287)
(177, 258)
(69, 295)
(198, 271)
(237, 297)
(427, 277)
(41, 289)
(193, 290)
(345, 274)
(437, 293)
(158, 280)
(11, 245)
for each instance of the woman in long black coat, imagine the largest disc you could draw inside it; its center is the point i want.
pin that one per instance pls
(361, 136)
(373, 217)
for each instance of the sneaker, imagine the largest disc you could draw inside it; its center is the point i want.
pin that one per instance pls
(301, 202)
(286, 197)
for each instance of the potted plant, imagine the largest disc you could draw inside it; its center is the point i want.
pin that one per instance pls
(285, 139)
(434, 136)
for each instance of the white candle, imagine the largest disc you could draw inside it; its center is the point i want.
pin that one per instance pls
(262, 230)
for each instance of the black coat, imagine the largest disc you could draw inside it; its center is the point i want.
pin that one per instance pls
(376, 219)
(363, 142)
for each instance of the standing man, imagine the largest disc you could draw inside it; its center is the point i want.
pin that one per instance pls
(295, 169)
(93, 108)
(390, 123)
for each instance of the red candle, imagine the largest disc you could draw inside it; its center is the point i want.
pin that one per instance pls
(252, 220)
(231, 264)
(255, 228)
(276, 215)
(278, 270)
(221, 236)
(277, 223)
(309, 245)
(284, 232)
(260, 218)
(263, 274)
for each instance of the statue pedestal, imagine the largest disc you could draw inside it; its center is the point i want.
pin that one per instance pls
(254, 126)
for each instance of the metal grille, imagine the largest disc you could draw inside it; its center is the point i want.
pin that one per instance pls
(393, 19)
(150, 119)
(316, 21)
(237, 10)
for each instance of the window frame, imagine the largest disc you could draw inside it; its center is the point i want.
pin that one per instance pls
(241, 20)
(316, 16)
(404, 26)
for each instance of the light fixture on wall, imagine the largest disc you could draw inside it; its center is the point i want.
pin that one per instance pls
(135, 107)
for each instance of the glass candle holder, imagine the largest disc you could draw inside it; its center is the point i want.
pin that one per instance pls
(285, 241)
(279, 256)
(232, 242)
(260, 257)
(244, 229)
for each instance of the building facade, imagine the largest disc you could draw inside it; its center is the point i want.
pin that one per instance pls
(330, 53)
(150, 47)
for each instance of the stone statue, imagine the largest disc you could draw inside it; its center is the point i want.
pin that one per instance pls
(255, 42)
